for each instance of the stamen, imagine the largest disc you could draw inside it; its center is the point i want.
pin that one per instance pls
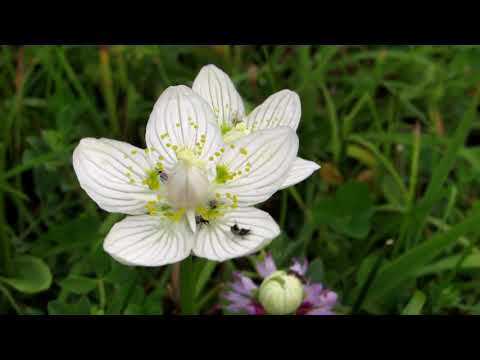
(163, 176)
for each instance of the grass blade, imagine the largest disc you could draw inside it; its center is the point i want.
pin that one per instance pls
(405, 266)
(415, 306)
(441, 171)
(204, 275)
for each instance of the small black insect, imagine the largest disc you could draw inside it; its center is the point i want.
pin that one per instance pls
(200, 220)
(239, 231)
(163, 176)
(300, 277)
(213, 204)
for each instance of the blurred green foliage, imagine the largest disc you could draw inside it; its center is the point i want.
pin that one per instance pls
(390, 222)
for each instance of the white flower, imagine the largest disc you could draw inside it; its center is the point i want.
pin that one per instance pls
(280, 109)
(187, 191)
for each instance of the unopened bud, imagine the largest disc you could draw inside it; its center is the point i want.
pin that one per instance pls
(281, 293)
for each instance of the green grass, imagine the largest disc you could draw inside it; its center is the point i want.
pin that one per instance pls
(391, 220)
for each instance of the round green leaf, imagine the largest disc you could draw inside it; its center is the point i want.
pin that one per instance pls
(78, 284)
(32, 275)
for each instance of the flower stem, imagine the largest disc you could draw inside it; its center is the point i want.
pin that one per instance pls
(370, 278)
(5, 251)
(11, 300)
(187, 287)
(102, 294)
(108, 92)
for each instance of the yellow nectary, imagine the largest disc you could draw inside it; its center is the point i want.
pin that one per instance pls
(235, 133)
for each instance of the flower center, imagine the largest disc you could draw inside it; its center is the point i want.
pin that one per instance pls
(187, 185)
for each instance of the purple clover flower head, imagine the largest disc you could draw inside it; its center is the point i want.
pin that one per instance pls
(242, 294)
(318, 300)
(240, 303)
(243, 284)
(299, 267)
(266, 267)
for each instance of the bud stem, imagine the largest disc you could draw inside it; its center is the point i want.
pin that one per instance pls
(188, 280)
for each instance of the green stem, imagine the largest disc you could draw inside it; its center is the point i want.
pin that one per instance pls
(283, 209)
(348, 121)
(208, 296)
(79, 88)
(385, 162)
(404, 241)
(371, 277)
(107, 84)
(298, 199)
(333, 119)
(5, 250)
(414, 166)
(270, 71)
(366, 286)
(102, 294)
(188, 287)
(10, 299)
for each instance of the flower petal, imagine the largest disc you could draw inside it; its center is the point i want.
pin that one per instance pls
(312, 294)
(190, 216)
(266, 266)
(218, 90)
(300, 170)
(260, 162)
(321, 311)
(112, 174)
(280, 109)
(240, 304)
(148, 241)
(299, 267)
(236, 297)
(216, 241)
(242, 284)
(182, 119)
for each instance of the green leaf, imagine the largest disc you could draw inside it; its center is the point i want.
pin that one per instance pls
(473, 310)
(390, 191)
(95, 310)
(137, 296)
(134, 309)
(31, 276)
(123, 279)
(405, 266)
(442, 170)
(78, 284)
(366, 267)
(384, 161)
(81, 229)
(333, 119)
(469, 262)
(100, 261)
(33, 311)
(316, 271)
(349, 212)
(416, 303)
(121, 274)
(153, 304)
(205, 271)
(27, 165)
(58, 307)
